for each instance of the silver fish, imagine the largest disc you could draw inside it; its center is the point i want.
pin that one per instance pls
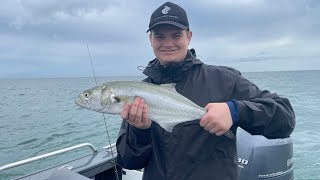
(165, 105)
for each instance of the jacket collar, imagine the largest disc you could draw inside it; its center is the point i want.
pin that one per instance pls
(172, 72)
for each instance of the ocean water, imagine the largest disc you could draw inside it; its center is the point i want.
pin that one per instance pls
(38, 116)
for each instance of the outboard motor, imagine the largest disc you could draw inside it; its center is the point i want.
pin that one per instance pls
(262, 158)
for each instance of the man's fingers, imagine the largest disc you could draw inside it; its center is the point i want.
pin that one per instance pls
(214, 130)
(204, 121)
(209, 126)
(219, 133)
(139, 111)
(133, 110)
(145, 115)
(125, 111)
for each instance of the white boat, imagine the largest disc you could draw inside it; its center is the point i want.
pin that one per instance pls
(258, 158)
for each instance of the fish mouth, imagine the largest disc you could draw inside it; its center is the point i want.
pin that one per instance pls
(80, 101)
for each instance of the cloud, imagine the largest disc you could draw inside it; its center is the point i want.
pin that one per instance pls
(256, 20)
(50, 37)
(254, 31)
(73, 20)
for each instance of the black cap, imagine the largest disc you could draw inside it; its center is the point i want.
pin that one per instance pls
(169, 13)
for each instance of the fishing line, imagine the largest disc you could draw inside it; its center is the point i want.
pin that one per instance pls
(104, 118)
(94, 74)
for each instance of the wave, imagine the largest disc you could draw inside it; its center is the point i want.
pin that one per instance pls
(27, 142)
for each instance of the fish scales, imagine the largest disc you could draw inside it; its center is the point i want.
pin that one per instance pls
(161, 107)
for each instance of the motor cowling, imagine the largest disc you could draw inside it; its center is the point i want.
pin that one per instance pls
(262, 158)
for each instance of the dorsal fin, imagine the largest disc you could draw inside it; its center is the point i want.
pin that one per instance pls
(171, 86)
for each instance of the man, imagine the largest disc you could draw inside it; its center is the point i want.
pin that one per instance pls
(195, 149)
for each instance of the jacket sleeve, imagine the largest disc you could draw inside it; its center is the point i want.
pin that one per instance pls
(263, 113)
(133, 146)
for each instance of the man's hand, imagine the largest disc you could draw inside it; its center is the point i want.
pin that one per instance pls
(218, 119)
(137, 114)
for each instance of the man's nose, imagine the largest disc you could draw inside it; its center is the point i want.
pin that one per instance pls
(168, 42)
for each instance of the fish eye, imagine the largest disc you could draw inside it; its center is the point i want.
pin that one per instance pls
(117, 99)
(86, 95)
(114, 98)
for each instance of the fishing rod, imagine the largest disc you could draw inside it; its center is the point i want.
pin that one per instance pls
(104, 118)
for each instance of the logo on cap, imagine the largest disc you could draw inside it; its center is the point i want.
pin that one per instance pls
(166, 10)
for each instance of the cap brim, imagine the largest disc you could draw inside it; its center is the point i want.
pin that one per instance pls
(181, 26)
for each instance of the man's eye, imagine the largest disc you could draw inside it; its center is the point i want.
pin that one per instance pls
(158, 37)
(176, 36)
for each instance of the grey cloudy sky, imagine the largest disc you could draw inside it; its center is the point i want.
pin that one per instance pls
(48, 38)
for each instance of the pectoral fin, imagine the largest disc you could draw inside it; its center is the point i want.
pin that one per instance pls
(125, 99)
(167, 126)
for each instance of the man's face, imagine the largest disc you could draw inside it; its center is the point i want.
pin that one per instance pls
(170, 43)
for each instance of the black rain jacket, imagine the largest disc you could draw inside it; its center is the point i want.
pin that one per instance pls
(189, 152)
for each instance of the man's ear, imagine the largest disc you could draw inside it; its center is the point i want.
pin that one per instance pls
(150, 35)
(189, 35)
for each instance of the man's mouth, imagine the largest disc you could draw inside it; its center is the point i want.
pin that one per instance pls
(168, 51)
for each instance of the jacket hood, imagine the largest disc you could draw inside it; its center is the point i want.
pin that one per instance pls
(172, 72)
